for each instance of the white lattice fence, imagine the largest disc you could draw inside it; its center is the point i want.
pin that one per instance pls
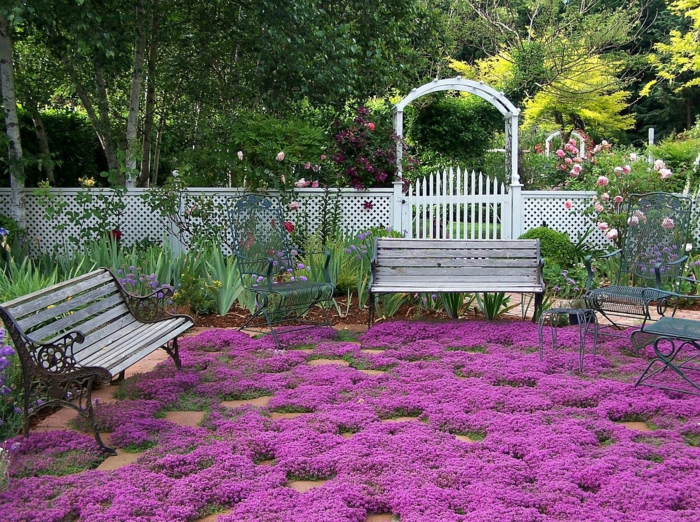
(358, 211)
(547, 208)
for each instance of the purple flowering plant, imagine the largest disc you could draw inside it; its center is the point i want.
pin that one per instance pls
(465, 424)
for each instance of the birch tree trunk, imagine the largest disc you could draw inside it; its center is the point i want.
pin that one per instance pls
(150, 100)
(135, 97)
(11, 123)
(104, 125)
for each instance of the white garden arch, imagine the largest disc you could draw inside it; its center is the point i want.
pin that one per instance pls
(509, 111)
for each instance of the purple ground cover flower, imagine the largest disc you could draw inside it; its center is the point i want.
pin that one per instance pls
(547, 443)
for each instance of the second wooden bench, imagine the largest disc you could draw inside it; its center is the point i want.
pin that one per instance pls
(450, 266)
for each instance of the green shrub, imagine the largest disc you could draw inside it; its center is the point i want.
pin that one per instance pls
(553, 245)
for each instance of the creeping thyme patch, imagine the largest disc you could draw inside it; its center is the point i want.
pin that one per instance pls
(543, 442)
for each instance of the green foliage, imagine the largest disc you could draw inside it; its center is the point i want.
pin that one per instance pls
(192, 290)
(455, 304)
(554, 245)
(222, 278)
(98, 215)
(18, 279)
(493, 305)
(457, 129)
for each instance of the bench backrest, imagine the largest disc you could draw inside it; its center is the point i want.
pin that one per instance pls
(444, 265)
(86, 303)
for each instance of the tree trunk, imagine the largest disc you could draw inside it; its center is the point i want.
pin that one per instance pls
(11, 122)
(150, 100)
(104, 125)
(104, 133)
(159, 138)
(46, 163)
(135, 96)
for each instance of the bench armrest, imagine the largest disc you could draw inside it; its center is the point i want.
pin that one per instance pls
(150, 308)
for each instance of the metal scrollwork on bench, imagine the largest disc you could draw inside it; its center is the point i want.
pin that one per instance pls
(152, 307)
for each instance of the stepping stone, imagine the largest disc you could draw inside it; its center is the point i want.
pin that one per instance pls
(373, 372)
(371, 350)
(302, 486)
(401, 419)
(185, 418)
(323, 362)
(105, 395)
(636, 426)
(119, 461)
(347, 434)
(258, 401)
(267, 462)
(380, 517)
(463, 438)
(214, 516)
(275, 415)
(57, 421)
(148, 363)
(305, 350)
(355, 328)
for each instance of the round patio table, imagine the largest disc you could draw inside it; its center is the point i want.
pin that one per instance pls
(586, 319)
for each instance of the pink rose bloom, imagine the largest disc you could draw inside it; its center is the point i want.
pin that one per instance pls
(665, 173)
(617, 170)
(603, 226)
(633, 221)
(574, 173)
(618, 199)
(567, 161)
(668, 223)
(597, 149)
(561, 153)
(301, 183)
(314, 184)
(602, 181)
(280, 156)
(598, 207)
(605, 197)
(578, 159)
(323, 157)
(288, 226)
(595, 197)
(568, 204)
(659, 164)
(307, 165)
(315, 168)
(370, 126)
(577, 168)
(294, 205)
(626, 169)
(633, 157)
(612, 233)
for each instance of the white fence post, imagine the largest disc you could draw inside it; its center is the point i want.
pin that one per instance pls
(398, 209)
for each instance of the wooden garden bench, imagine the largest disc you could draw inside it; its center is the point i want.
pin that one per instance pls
(446, 265)
(84, 331)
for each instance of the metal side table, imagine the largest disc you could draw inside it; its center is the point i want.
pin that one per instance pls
(586, 320)
(668, 336)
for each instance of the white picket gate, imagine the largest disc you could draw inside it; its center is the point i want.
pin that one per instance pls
(459, 205)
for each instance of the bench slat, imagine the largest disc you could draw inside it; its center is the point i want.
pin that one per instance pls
(471, 244)
(41, 299)
(73, 321)
(150, 348)
(98, 339)
(386, 261)
(29, 322)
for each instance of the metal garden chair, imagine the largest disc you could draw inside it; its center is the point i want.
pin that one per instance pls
(270, 267)
(651, 260)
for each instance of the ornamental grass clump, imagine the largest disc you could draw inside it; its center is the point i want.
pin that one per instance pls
(460, 435)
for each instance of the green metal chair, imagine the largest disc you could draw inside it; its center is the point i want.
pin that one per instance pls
(651, 260)
(270, 267)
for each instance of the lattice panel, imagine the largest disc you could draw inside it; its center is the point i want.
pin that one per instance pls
(547, 208)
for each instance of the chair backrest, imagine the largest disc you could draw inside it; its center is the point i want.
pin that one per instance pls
(259, 233)
(657, 232)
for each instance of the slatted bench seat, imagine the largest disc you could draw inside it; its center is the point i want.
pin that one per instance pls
(447, 265)
(84, 331)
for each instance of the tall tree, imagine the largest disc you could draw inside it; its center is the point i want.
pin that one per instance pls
(9, 103)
